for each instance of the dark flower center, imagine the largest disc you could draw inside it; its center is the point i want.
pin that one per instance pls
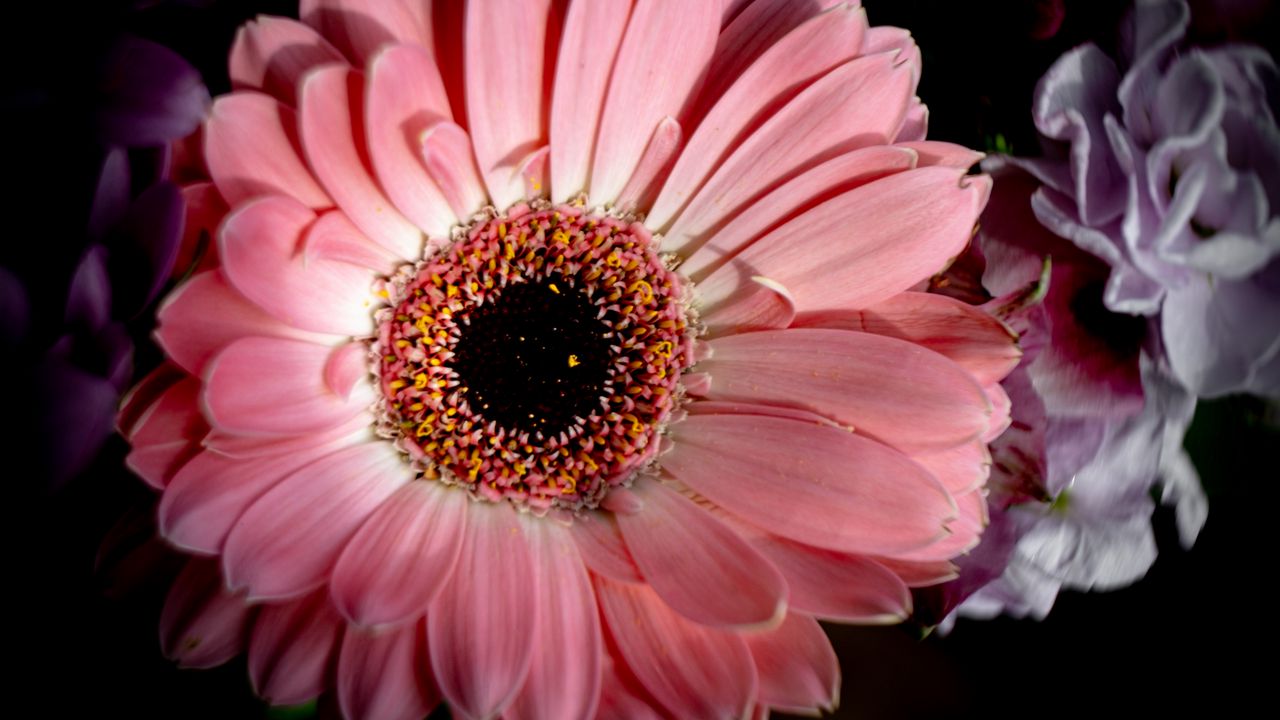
(535, 359)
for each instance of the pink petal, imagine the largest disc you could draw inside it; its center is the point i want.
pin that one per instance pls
(358, 429)
(346, 367)
(693, 670)
(963, 532)
(920, 574)
(660, 62)
(259, 246)
(212, 491)
(701, 568)
(141, 397)
(533, 172)
(333, 238)
(290, 652)
(816, 484)
(1002, 406)
(945, 154)
(447, 155)
(205, 314)
(654, 165)
(168, 434)
(960, 469)
(837, 586)
(482, 626)
(894, 391)
(386, 675)
(251, 146)
(602, 548)
(908, 226)
(798, 669)
(360, 27)
(287, 542)
(333, 136)
(270, 386)
(505, 52)
(405, 97)
(564, 677)
(202, 624)
(766, 305)
(272, 54)
(783, 69)
(402, 555)
(974, 339)
(592, 33)
(622, 697)
(836, 176)
(915, 126)
(856, 105)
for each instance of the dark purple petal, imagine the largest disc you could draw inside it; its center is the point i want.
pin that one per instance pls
(89, 298)
(144, 247)
(15, 311)
(111, 195)
(150, 95)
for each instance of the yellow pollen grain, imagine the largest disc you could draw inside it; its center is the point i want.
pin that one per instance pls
(553, 288)
(573, 361)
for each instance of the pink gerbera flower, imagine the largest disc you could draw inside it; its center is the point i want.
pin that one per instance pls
(563, 361)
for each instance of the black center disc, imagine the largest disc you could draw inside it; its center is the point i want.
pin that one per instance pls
(534, 358)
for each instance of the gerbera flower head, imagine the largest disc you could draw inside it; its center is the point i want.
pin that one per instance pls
(561, 360)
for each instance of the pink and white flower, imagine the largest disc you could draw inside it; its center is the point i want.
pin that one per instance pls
(563, 361)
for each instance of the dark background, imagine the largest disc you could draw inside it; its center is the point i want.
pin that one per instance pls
(84, 622)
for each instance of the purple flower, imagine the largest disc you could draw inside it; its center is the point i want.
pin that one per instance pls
(103, 255)
(1165, 164)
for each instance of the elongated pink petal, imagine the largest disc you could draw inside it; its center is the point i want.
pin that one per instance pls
(402, 556)
(142, 397)
(622, 697)
(346, 367)
(659, 64)
(907, 227)
(205, 314)
(895, 391)
(701, 568)
(592, 33)
(915, 126)
(693, 670)
(840, 174)
(287, 541)
(167, 434)
(252, 148)
(564, 676)
(405, 97)
(259, 246)
(481, 627)
(212, 491)
(447, 155)
(858, 104)
(358, 429)
(654, 164)
(963, 532)
(920, 574)
(505, 54)
(798, 669)
(272, 54)
(960, 469)
(783, 70)
(974, 339)
(764, 304)
(602, 548)
(333, 238)
(290, 652)
(331, 120)
(1000, 417)
(817, 484)
(834, 585)
(759, 28)
(386, 675)
(202, 624)
(946, 154)
(360, 27)
(270, 386)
